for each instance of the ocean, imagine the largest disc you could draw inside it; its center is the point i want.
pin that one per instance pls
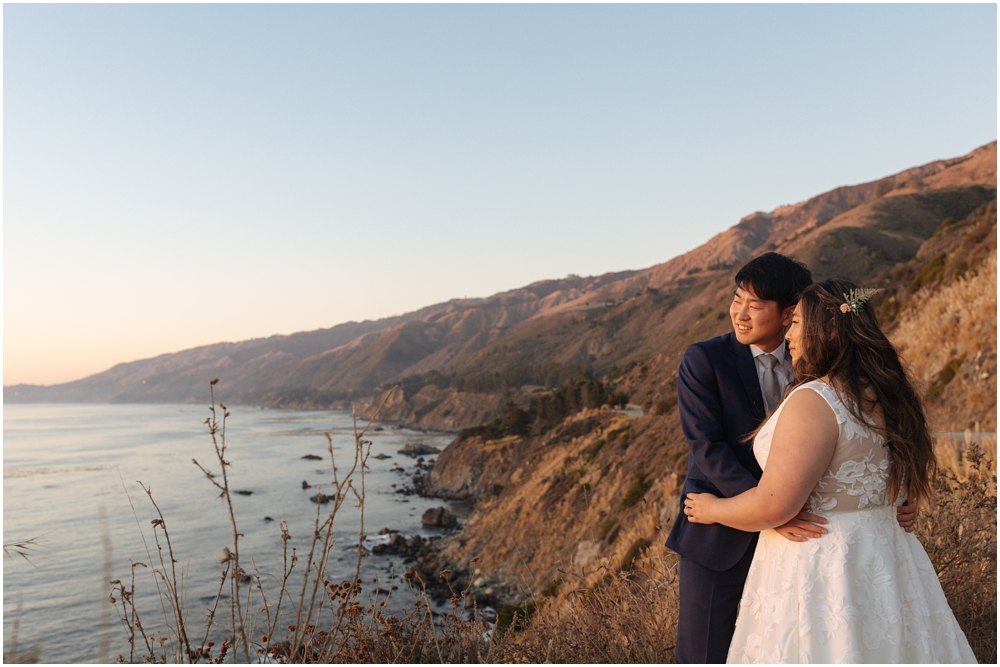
(71, 477)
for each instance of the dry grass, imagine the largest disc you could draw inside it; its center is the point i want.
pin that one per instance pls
(20, 548)
(627, 617)
(632, 616)
(952, 455)
(959, 532)
(947, 337)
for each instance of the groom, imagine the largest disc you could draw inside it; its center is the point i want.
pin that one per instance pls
(726, 386)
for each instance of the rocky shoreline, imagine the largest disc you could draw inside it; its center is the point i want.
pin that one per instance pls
(433, 562)
(443, 578)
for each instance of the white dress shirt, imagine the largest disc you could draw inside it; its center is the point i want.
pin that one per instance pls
(783, 369)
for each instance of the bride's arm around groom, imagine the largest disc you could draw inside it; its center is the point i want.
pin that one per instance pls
(802, 447)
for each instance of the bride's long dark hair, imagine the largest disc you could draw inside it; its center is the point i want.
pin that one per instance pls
(851, 350)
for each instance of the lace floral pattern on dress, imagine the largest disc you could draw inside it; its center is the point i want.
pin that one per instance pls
(866, 591)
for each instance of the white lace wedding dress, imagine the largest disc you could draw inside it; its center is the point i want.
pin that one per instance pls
(865, 592)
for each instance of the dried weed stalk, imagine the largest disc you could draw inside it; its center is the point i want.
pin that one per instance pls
(330, 621)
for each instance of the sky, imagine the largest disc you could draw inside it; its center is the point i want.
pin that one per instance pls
(180, 175)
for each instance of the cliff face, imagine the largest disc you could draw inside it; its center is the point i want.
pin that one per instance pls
(579, 497)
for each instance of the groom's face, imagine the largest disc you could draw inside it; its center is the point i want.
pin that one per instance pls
(758, 322)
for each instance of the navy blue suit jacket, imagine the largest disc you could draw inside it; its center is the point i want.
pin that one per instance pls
(720, 403)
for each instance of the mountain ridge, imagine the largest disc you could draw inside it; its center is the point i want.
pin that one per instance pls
(348, 362)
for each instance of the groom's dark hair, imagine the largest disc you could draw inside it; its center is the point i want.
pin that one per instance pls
(774, 277)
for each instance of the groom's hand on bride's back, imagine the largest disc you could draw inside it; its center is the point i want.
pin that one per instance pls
(906, 515)
(803, 527)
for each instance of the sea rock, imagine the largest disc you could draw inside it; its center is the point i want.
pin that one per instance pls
(321, 498)
(413, 450)
(312, 457)
(411, 549)
(243, 492)
(440, 517)
(306, 485)
(380, 456)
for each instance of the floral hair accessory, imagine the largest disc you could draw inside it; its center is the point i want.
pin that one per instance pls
(855, 301)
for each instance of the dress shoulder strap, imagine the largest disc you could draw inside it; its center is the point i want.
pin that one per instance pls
(831, 396)
(850, 426)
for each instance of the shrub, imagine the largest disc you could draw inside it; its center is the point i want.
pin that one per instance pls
(552, 588)
(514, 616)
(512, 421)
(664, 407)
(945, 224)
(593, 449)
(636, 491)
(490, 431)
(634, 550)
(606, 527)
(945, 375)
(889, 309)
(931, 272)
(618, 399)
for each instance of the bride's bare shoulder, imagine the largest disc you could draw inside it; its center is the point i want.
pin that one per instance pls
(807, 408)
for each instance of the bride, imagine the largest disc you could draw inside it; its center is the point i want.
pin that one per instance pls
(851, 440)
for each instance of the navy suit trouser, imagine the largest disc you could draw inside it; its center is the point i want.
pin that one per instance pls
(709, 603)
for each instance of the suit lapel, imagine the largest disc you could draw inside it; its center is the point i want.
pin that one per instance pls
(748, 374)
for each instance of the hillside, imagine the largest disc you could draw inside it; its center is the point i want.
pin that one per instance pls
(647, 320)
(461, 360)
(610, 482)
(316, 368)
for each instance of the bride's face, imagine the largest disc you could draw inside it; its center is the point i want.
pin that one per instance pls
(794, 335)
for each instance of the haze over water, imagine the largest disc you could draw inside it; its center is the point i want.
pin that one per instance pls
(65, 464)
